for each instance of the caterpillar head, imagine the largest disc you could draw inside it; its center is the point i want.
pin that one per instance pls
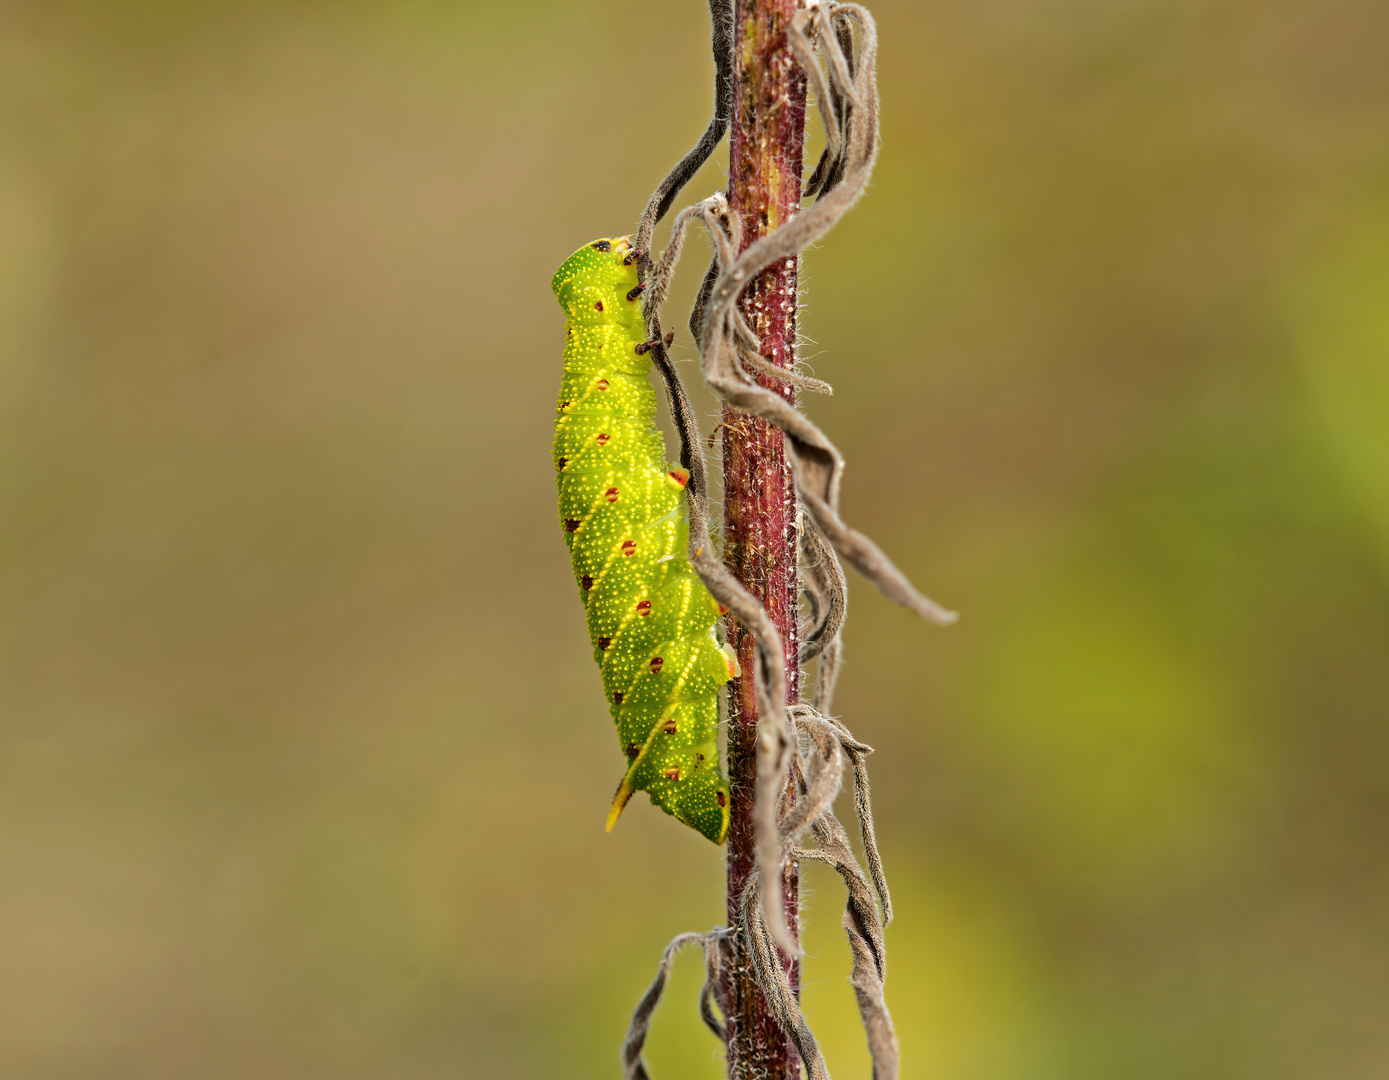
(593, 285)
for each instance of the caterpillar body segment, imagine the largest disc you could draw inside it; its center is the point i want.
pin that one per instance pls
(622, 508)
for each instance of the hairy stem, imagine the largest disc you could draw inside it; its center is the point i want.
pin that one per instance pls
(766, 143)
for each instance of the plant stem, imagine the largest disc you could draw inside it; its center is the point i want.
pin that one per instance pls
(765, 146)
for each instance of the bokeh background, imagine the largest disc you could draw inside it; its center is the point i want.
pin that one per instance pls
(304, 764)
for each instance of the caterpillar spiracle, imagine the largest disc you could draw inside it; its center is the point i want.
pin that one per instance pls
(650, 618)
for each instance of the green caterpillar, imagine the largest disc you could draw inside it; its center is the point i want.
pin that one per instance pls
(650, 618)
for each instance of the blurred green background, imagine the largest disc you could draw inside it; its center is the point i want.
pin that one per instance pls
(304, 764)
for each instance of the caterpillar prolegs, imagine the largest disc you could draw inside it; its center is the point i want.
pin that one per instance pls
(650, 618)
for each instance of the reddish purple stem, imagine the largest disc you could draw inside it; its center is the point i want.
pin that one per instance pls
(766, 141)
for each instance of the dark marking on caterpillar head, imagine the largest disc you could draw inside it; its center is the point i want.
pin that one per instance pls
(617, 698)
(643, 607)
(629, 547)
(669, 727)
(601, 245)
(643, 347)
(671, 774)
(680, 476)
(571, 524)
(598, 306)
(656, 664)
(632, 256)
(603, 642)
(721, 799)
(586, 583)
(635, 291)
(611, 495)
(602, 438)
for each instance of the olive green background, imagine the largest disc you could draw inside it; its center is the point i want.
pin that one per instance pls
(305, 762)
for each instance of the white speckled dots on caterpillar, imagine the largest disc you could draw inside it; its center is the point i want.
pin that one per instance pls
(622, 507)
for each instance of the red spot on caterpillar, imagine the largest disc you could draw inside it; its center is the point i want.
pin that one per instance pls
(603, 642)
(563, 405)
(617, 698)
(598, 306)
(723, 610)
(633, 750)
(669, 727)
(561, 463)
(570, 524)
(601, 384)
(629, 547)
(643, 607)
(656, 664)
(602, 438)
(586, 583)
(671, 774)
(680, 476)
(721, 799)
(610, 495)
